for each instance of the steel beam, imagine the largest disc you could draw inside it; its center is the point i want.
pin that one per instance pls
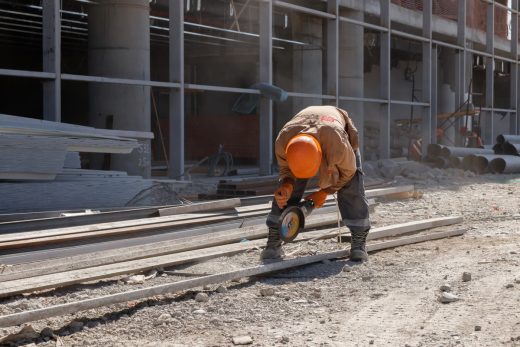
(176, 116)
(51, 43)
(333, 51)
(384, 77)
(460, 66)
(433, 93)
(266, 76)
(427, 76)
(488, 129)
(514, 117)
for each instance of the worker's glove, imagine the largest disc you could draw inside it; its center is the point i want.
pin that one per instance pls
(318, 197)
(283, 193)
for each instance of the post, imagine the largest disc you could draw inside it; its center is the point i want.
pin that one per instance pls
(266, 76)
(460, 66)
(384, 130)
(333, 51)
(514, 117)
(51, 44)
(488, 128)
(176, 116)
(427, 76)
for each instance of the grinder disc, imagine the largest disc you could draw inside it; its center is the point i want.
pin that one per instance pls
(291, 222)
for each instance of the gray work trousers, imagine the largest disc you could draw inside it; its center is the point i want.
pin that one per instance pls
(352, 202)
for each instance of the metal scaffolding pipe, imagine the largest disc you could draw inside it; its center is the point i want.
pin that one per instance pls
(448, 151)
(505, 164)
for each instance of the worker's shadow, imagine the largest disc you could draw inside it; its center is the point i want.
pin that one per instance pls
(310, 272)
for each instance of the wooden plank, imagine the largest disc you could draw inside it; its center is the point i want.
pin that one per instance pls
(200, 207)
(203, 241)
(138, 294)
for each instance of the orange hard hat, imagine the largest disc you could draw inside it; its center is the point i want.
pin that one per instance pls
(303, 154)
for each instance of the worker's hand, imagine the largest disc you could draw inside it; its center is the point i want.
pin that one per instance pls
(318, 197)
(282, 194)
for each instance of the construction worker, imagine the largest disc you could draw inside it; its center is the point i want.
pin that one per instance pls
(320, 139)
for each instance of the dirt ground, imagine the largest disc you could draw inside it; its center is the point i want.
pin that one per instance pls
(391, 300)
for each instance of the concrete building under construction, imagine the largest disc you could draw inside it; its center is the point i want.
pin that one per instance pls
(210, 75)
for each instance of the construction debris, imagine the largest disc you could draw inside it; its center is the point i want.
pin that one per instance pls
(446, 297)
(242, 340)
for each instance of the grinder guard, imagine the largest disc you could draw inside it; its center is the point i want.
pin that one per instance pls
(292, 220)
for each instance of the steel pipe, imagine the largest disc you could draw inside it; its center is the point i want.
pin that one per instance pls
(448, 151)
(481, 162)
(440, 162)
(511, 148)
(505, 164)
(434, 150)
(509, 138)
(467, 162)
(455, 162)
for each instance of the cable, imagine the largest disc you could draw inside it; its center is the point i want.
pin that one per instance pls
(339, 218)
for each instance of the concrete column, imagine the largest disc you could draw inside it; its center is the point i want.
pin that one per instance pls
(351, 74)
(119, 46)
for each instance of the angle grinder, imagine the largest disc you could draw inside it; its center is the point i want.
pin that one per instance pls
(292, 220)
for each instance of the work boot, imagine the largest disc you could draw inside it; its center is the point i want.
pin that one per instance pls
(357, 245)
(273, 249)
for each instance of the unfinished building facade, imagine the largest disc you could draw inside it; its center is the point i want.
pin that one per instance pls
(203, 75)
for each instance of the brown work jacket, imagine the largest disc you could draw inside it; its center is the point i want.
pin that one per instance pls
(338, 137)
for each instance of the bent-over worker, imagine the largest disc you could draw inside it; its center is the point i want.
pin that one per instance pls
(320, 139)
